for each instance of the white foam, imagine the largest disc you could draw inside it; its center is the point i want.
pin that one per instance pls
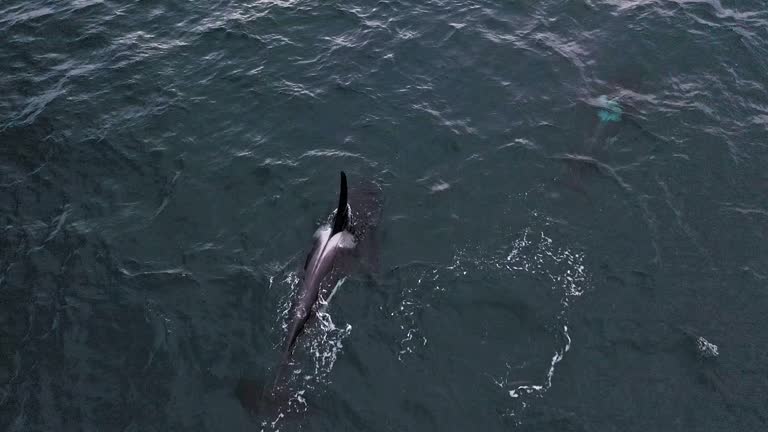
(706, 348)
(321, 340)
(530, 253)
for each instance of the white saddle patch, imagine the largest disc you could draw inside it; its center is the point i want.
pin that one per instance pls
(345, 240)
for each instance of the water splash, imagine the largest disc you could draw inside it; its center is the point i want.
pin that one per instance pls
(537, 254)
(530, 253)
(407, 312)
(316, 354)
(706, 349)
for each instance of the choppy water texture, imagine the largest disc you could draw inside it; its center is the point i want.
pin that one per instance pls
(574, 235)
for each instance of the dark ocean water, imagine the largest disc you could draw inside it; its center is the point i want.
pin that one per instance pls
(574, 234)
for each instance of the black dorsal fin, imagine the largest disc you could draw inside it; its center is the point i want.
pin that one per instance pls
(342, 213)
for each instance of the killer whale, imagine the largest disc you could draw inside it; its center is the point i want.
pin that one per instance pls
(347, 236)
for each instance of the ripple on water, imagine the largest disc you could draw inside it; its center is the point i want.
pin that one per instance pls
(531, 254)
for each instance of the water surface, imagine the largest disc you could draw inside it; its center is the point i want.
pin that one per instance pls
(574, 235)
